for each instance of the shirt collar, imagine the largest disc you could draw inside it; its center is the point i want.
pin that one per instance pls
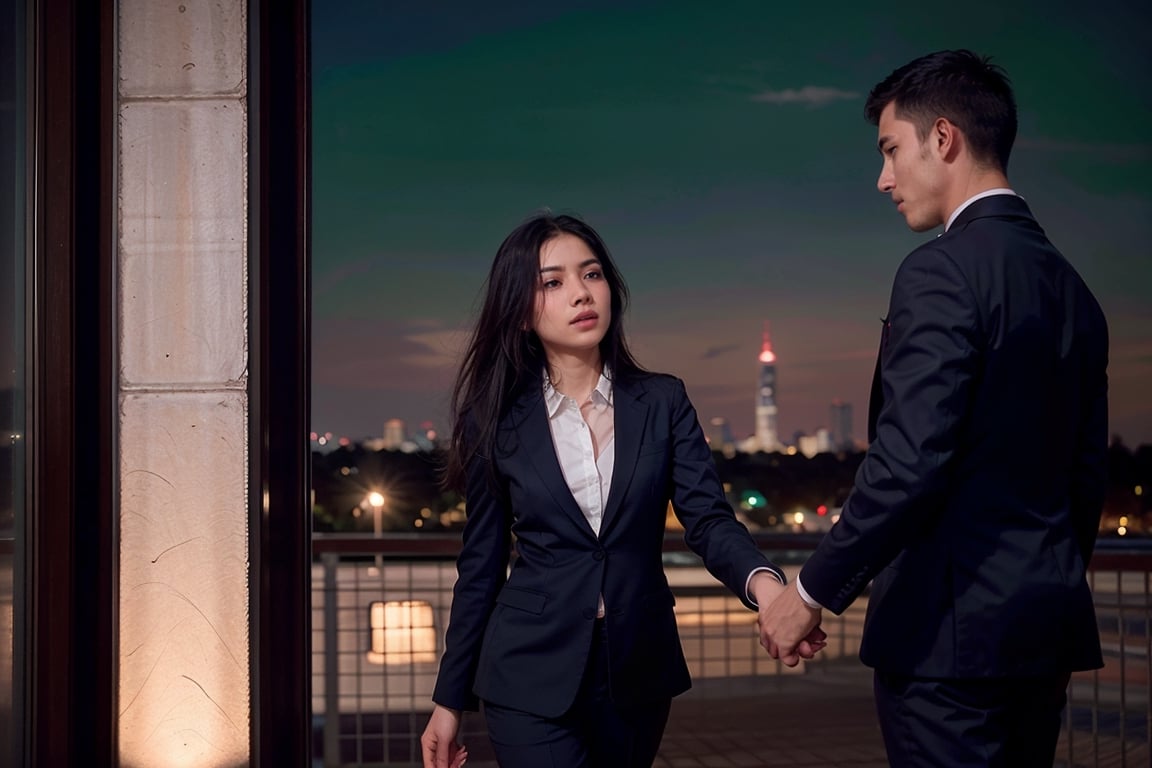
(974, 198)
(553, 399)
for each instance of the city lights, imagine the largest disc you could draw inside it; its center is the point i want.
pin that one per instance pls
(806, 478)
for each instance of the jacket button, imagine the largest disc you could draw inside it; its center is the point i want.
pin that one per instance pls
(599, 555)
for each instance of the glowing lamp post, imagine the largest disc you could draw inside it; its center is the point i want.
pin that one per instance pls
(376, 501)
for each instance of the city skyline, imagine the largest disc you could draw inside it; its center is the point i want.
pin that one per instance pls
(763, 435)
(723, 155)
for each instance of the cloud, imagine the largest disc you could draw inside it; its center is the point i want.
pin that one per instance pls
(1111, 152)
(716, 351)
(1129, 352)
(382, 353)
(331, 279)
(812, 95)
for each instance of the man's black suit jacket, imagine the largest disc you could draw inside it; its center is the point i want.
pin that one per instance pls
(522, 639)
(977, 504)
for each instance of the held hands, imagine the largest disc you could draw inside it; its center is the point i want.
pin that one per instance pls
(789, 627)
(441, 750)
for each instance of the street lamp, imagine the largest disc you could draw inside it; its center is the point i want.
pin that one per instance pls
(376, 501)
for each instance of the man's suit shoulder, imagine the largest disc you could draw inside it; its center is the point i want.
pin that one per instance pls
(931, 258)
(995, 228)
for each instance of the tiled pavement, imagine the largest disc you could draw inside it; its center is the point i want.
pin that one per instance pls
(811, 719)
(822, 718)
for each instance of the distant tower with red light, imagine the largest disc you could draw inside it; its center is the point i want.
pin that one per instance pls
(767, 437)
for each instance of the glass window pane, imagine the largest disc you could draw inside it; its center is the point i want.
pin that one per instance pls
(12, 423)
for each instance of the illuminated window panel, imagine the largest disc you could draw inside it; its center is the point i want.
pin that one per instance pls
(403, 632)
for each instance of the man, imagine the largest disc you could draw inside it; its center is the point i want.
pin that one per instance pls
(976, 507)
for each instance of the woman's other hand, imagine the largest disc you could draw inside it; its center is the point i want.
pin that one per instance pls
(441, 750)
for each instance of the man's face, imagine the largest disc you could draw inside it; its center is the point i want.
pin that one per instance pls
(913, 172)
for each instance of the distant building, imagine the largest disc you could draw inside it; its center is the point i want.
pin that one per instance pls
(395, 434)
(720, 436)
(426, 438)
(767, 437)
(840, 425)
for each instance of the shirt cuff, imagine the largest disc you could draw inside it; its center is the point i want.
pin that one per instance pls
(776, 573)
(807, 598)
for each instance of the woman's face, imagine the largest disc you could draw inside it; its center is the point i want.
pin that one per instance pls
(573, 299)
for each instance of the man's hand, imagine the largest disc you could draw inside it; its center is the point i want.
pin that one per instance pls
(790, 628)
(439, 744)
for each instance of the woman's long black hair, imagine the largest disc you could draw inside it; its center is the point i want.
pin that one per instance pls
(504, 355)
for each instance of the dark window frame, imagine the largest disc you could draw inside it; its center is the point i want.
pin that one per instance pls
(280, 386)
(70, 546)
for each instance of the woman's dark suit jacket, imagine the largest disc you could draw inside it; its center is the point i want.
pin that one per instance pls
(521, 639)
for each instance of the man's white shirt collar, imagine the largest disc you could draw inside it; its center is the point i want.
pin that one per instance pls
(974, 198)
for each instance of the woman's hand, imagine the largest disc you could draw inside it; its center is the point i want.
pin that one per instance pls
(441, 750)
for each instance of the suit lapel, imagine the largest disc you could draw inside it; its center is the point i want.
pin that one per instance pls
(630, 413)
(876, 399)
(530, 420)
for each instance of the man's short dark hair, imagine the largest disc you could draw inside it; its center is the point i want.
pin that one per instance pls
(971, 92)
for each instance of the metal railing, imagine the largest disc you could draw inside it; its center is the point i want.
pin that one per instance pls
(380, 607)
(1109, 717)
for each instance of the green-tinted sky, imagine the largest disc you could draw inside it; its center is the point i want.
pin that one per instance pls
(720, 149)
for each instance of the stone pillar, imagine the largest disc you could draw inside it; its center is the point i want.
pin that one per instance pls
(185, 638)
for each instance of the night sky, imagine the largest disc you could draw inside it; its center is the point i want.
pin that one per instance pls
(721, 150)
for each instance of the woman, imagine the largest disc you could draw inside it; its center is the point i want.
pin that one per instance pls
(561, 440)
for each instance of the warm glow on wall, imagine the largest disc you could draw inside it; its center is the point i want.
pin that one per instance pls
(184, 620)
(183, 673)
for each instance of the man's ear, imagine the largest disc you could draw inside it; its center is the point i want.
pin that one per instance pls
(946, 139)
